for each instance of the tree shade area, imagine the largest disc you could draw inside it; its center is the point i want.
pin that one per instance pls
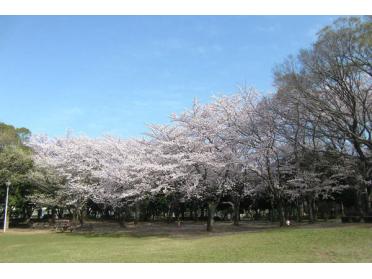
(301, 154)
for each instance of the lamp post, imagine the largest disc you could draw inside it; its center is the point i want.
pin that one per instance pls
(6, 203)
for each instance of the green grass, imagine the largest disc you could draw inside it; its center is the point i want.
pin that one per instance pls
(341, 244)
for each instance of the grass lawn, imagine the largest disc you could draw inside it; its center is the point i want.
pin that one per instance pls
(344, 243)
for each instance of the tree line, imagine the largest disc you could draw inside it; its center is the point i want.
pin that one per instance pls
(295, 153)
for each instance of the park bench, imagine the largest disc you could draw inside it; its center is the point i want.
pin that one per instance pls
(64, 225)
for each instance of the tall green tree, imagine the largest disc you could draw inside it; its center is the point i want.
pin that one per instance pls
(332, 84)
(15, 166)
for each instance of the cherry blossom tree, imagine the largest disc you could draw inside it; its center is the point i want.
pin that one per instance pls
(73, 160)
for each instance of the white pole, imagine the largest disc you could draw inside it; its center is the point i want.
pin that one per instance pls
(6, 206)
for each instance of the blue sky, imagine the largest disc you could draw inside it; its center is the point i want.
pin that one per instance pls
(104, 74)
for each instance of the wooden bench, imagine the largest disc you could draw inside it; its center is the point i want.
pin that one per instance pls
(64, 225)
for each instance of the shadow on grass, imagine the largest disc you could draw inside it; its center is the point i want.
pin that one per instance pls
(117, 235)
(190, 231)
(186, 231)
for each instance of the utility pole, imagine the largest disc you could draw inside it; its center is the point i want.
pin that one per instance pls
(6, 204)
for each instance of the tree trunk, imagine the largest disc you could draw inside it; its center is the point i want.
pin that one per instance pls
(202, 212)
(369, 201)
(359, 203)
(177, 212)
(196, 214)
(107, 213)
(270, 217)
(169, 214)
(183, 214)
(281, 213)
(39, 214)
(271, 211)
(315, 210)
(191, 213)
(366, 198)
(75, 216)
(121, 218)
(54, 214)
(299, 212)
(326, 212)
(59, 213)
(236, 211)
(211, 211)
(29, 212)
(136, 213)
(287, 213)
(311, 210)
(81, 216)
